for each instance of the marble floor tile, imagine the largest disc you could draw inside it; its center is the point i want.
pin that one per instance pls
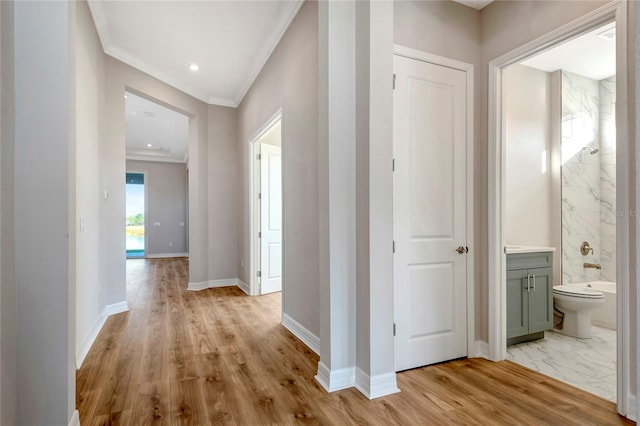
(588, 364)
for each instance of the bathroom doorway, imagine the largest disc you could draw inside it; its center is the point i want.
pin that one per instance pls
(559, 135)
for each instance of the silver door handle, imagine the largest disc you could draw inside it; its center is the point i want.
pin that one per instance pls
(528, 282)
(534, 282)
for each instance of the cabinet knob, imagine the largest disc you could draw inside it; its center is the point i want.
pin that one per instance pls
(462, 250)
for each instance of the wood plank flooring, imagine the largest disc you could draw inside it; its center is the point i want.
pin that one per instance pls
(221, 357)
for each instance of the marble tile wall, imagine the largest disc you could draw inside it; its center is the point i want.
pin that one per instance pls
(588, 180)
(580, 176)
(608, 179)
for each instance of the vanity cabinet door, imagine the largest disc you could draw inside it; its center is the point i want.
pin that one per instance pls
(540, 300)
(517, 304)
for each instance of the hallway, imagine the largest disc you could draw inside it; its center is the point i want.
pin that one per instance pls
(221, 357)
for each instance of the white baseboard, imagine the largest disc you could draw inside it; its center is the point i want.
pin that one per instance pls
(376, 386)
(481, 350)
(75, 419)
(335, 380)
(115, 308)
(230, 282)
(632, 407)
(198, 286)
(166, 255)
(90, 338)
(244, 287)
(227, 282)
(302, 333)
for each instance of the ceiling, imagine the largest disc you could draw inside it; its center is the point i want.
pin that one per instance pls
(230, 41)
(155, 132)
(476, 4)
(588, 55)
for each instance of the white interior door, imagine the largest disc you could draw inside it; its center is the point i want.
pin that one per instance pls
(270, 219)
(429, 210)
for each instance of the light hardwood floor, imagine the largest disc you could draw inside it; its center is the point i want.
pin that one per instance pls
(221, 357)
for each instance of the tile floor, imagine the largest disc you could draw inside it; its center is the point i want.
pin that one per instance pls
(589, 364)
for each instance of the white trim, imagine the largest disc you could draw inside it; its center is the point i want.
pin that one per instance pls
(419, 55)
(302, 333)
(155, 159)
(198, 286)
(632, 404)
(227, 282)
(468, 69)
(254, 212)
(335, 380)
(481, 349)
(376, 386)
(285, 21)
(166, 255)
(615, 10)
(97, 12)
(87, 342)
(75, 419)
(116, 308)
(243, 286)
(90, 338)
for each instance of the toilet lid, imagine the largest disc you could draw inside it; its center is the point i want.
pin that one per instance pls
(575, 291)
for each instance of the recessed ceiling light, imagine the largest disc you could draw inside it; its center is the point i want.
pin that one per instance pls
(194, 67)
(125, 96)
(149, 145)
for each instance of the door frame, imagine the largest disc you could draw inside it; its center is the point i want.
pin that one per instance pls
(254, 205)
(398, 50)
(614, 11)
(146, 210)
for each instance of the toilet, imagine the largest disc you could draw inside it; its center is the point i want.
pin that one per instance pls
(576, 303)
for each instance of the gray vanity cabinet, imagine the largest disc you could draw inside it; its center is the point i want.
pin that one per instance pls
(529, 296)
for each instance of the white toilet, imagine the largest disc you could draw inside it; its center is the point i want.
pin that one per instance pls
(576, 303)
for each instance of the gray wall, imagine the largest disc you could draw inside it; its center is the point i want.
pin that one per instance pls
(223, 190)
(8, 314)
(289, 80)
(45, 300)
(121, 76)
(166, 190)
(86, 200)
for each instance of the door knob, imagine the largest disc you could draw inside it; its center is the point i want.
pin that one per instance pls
(462, 250)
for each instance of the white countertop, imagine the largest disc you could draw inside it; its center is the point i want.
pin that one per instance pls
(527, 249)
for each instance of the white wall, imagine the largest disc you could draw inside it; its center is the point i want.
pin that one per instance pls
(44, 108)
(166, 203)
(532, 215)
(289, 80)
(86, 194)
(8, 314)
(223, 192)
(528, 154)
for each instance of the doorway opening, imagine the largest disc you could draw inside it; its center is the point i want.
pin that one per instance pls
(135, 221)
(560, 132)
(578, 144)
(266, 209)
